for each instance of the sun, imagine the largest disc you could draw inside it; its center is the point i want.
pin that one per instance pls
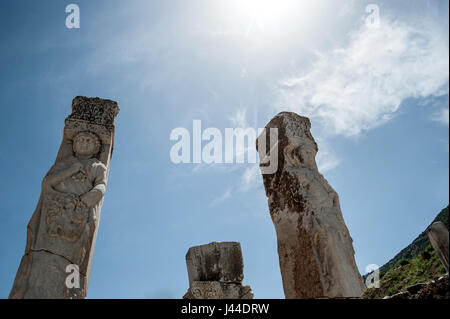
(265, 9)
(264, 14)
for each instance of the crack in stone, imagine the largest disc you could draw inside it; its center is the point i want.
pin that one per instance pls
(50, 252)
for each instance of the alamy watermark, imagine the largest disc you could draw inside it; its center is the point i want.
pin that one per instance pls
(73, 277)
(373, 19)
(73, 19)
(234, 151)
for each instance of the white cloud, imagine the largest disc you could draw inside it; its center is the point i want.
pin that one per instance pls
(362, 85)
(326, 159)
(239, 119)
(346, 8)
(251, 178)
(441, 116)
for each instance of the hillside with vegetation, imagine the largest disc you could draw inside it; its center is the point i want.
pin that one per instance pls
(423, 268)
(417, 263)
(417, 246)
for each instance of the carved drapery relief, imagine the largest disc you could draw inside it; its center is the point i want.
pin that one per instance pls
(66, 216)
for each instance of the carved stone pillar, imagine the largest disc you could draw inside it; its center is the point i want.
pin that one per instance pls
(314, 245)
(216, 271)
(438, 235)
(62, 232)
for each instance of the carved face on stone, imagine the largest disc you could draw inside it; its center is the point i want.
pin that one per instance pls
(86, 144)
(300, 152)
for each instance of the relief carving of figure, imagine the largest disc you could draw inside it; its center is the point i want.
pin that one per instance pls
(73, 187)
(62, 229)
(62, 232)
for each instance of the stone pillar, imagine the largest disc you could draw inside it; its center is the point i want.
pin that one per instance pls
(62, 232)
(438, 235)
(216, 271)
(314, 245)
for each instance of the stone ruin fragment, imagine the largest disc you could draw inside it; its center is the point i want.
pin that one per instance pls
(438, 235)
(314, 245)
(62, 232)
(216, 271)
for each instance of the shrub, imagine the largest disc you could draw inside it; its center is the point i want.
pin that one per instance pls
(403, 262)
(425, 255)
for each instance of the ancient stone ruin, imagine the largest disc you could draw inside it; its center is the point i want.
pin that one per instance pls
(216, 271)
(435, 289)
(438, 235)
(62, 232)
(314, 245)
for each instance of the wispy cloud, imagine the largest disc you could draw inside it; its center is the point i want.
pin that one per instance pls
(222, 198)
(239, 119)
(361, 85)
(251, 178)
(326, 158)
(346, 8)
(441, 116)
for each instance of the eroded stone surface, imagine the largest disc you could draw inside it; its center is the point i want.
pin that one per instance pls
(438, 235)
(215, 262)
(218, 290)
(435, 289)
(63, 228)
(314, 245)
(216, 271)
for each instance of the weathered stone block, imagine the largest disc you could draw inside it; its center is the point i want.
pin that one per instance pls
(217, 261)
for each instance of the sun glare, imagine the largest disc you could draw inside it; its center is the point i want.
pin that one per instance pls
(263, 15)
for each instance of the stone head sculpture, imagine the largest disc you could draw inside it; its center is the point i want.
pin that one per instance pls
(86, 145)
(296, 145)
(300, 151)
(299, 147)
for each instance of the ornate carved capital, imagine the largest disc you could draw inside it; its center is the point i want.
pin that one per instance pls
(94, 110)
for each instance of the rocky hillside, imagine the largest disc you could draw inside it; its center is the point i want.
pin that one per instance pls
(412, 267)
(423, 268)
(417, 246)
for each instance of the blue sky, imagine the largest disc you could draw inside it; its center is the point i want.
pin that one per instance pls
(378, 100)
